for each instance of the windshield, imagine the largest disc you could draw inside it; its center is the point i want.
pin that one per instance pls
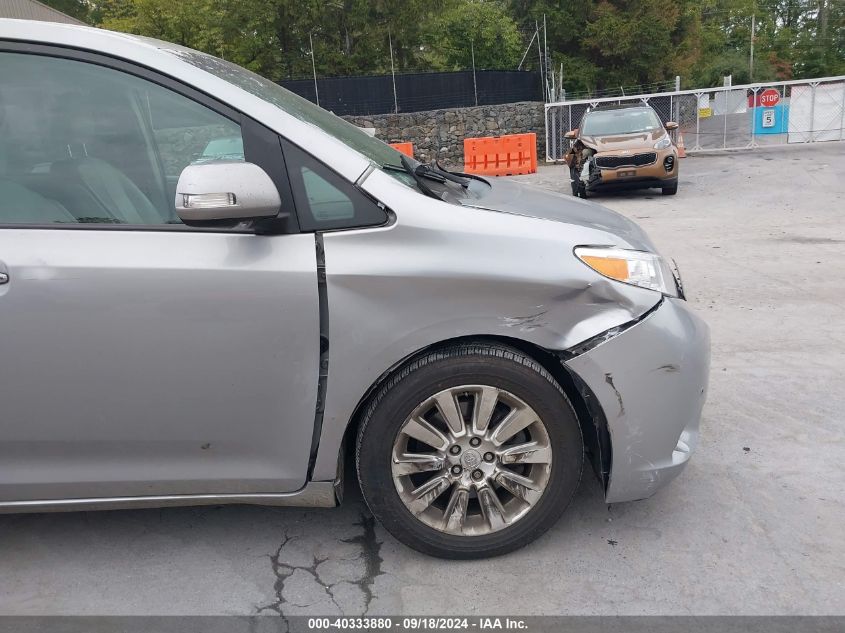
(377, 151)
(622, 121)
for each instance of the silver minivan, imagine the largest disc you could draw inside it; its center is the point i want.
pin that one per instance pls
(185, 326)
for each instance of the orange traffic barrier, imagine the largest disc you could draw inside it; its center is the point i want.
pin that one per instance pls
(501, 155)
(682, 150)
(405, 148)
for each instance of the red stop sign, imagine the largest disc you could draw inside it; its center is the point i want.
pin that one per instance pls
(769, 98)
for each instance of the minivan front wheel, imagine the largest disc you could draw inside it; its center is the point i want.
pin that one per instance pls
(469, 451)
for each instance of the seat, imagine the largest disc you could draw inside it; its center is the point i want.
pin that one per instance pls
(115, 194)
(88, 129)
(19, 205)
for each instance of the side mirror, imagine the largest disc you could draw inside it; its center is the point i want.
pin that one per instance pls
(225, 191)
(571, 134)
(671, 125)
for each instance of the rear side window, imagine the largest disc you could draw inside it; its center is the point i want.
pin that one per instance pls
(324, 200)
(83, 143)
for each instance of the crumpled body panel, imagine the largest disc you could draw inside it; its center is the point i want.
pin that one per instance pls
(651, 382)
(442, 271)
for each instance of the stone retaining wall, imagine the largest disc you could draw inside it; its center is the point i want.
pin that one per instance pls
(440, 133)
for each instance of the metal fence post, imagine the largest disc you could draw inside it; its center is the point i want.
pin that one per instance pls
(754, 106)
(474, 84)
(546, 114)
(314, 69)
(812, 110)
(783, 97)
(842, 117)
(677, 101)
(393, 74)
(698, 96)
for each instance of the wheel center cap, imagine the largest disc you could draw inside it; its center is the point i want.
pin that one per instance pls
(470, 459)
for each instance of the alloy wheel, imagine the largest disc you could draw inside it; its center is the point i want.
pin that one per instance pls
(471, 460)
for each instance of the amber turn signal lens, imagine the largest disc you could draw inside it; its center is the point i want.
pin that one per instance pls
(608, 266)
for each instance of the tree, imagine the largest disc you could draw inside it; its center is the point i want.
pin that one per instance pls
(79, 9)
(820, 44)
(479, 28)
(611, 43)
(600, 44)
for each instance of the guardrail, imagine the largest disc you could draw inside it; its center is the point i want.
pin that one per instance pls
(507, 155)
(731, 117)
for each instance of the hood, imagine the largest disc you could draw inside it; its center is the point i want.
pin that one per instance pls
(619, 142)
(511, 197)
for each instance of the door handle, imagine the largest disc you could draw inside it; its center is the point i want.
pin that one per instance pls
(4, 278)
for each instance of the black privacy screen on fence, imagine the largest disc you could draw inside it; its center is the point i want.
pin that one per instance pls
(419, 91)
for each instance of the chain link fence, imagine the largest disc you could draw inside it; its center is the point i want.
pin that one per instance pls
(731, 117)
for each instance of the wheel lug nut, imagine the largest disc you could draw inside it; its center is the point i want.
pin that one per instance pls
(455, 449)
(489, 457)
(456, 470)
(474, 441)
(477, 475)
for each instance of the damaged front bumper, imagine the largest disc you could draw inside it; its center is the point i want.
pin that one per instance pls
(650, 382)
(661, 172)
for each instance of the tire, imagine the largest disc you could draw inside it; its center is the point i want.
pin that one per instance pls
(582, 191)
(469, 518)
(671, 190)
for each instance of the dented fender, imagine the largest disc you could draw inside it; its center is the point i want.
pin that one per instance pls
(441, 271)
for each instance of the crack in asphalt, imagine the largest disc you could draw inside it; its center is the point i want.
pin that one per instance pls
(282, 573)
(370, 554)
(370, 550)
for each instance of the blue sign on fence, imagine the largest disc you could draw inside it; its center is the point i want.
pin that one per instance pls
(771, 119)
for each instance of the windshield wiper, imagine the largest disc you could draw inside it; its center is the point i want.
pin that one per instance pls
(437, 173)
(459, 175)
(422, 170)
(418, 175)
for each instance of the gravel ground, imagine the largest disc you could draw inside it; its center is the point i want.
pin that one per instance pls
(753, 526)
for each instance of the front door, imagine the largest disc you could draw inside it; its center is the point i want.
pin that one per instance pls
(137, 356)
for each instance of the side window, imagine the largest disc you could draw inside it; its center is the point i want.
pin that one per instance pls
(187, 133)
(82, 143)
(323, 199)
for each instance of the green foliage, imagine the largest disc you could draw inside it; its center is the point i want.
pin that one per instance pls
(599, 44)
(79, 9)
(634, 41)
(473, 27)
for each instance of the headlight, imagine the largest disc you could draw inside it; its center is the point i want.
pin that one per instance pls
(663, 143)
(638, 268)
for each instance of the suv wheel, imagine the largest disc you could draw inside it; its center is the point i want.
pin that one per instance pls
(671, 190)
(469, 451)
